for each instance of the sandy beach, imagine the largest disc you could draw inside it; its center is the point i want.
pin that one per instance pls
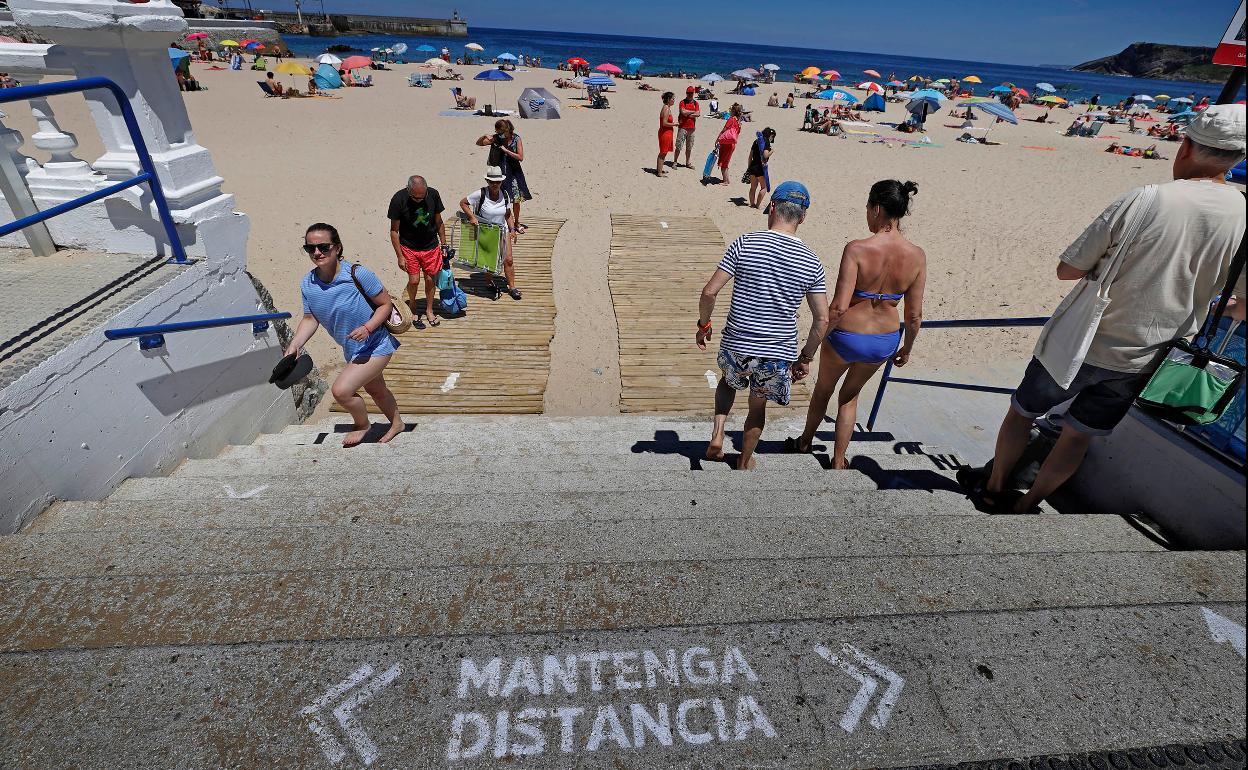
(992, 219)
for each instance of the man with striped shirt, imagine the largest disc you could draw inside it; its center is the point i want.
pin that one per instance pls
(772, 272)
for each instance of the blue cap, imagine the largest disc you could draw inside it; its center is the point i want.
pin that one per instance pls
(791, 192)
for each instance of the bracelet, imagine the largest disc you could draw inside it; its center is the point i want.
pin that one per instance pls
(704, 327)
(805, 359)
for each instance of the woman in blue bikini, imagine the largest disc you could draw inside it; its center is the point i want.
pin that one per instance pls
(876, 274)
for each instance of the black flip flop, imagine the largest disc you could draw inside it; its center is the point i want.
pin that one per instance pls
(791, 447)
(434, 321)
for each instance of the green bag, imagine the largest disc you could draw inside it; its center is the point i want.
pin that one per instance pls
(1193, 385)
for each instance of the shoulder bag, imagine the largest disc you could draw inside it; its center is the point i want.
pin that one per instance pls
(1064, 344)
(400, 316)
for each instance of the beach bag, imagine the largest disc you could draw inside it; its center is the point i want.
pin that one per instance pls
(400, 315)
(1064, 343)
(1194, 385)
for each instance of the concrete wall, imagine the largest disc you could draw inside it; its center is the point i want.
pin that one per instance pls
(397, 25)
(236, 29)
(100, 411)
(1147, 466)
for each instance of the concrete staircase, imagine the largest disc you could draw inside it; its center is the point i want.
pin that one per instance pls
(546, 592)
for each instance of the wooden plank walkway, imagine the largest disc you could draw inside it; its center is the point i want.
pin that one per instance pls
(500, 350)
(656, 275)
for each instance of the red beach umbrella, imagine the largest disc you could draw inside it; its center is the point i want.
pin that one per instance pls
(608, 67)
(832, 74)
(248, 40)
(872, 73)
(578, 61)
(355, 62)
(197, 36)
(1023, 91)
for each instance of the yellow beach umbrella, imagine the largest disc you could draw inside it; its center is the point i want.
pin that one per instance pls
(1161, 97)
(809, 71)
(292, 68)
(971, 79)
(229, 44)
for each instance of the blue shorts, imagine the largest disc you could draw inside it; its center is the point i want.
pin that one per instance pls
(1102, 397)
(376, 345)
(770, 378)
(855, 348)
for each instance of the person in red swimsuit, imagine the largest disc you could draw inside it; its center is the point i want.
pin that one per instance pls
(667, 127)
(727, 141)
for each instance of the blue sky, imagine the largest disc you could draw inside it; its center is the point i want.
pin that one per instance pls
(1009, 31)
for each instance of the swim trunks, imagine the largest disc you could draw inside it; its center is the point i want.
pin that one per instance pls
(767, 377)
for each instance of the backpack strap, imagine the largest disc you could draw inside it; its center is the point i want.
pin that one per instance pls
(360, 286)
(480, 202)
(484, 192)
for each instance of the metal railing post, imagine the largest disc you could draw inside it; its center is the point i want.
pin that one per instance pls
(879, 394)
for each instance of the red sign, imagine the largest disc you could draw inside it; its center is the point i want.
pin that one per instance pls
(1231, 50)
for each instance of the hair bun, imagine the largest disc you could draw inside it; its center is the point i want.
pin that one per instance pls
(910, 188)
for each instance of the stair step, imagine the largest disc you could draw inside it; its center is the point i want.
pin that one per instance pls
(458, 481)
(396, 461)
(436, 544)
(973, 687)
(332, 509)
(316, 603)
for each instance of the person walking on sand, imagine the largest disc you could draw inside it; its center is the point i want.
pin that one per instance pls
(491, 204)
(350, 301)
(876, 274)
(507, 153)
(417, 233)
(687, 122)
(1186, 232)
(727, 141)
(760, 154)
(772, 272)
(667, 127)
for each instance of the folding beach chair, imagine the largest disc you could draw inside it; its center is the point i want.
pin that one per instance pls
(1093, 129)
(420, 80)
(480, 249)
(268, 90)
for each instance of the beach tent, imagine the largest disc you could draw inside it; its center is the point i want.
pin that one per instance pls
(837, 94)
(874, 102)
(327, 77)
(540, 104)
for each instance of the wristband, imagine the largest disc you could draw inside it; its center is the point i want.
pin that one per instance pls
(704, 327)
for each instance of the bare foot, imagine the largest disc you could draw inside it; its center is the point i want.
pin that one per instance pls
(395, 429)
(715, 452)
(749, 466)
(840, 464)
(355, 437)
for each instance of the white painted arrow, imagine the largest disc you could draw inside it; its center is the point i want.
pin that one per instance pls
(229, 490)
(1224, 630)
(867, 685)
(343, 713)
(449, 384)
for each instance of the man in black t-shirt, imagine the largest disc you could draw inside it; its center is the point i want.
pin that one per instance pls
(417, 233)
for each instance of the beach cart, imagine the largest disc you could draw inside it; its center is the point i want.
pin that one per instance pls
(479, 248)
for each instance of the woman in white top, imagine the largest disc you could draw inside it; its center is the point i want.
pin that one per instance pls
(491, 204)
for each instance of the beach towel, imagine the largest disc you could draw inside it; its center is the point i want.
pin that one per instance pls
(1029, 147)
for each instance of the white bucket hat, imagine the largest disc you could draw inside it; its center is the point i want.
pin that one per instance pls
(1220, 127)
(494, 174)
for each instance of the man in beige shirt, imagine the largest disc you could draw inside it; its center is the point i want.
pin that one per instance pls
(1170, 272)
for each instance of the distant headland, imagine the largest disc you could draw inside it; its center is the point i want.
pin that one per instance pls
(1160, 61)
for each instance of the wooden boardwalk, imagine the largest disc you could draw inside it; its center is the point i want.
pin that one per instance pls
(497, 357)
(656, 275)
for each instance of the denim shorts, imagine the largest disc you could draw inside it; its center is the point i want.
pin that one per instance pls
(1102, 397)
(767, 377)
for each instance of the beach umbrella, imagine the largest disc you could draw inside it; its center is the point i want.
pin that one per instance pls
(1182, 100)
(1046, 87)
(917, 103)
(375, 50)
(810, 71)
(599, 80)
(289, 67)
(771, 67)
(929, 93)
(831, 74)
(436, 62)
(872, 73)
(837, 94)
(494, 75)
(904, 94)
(942, 80)
(1161, 97)
(474, 47)
(229, 43)
(712, 77)
(914, 77)
(245, 41)
(328, 58)
(896, 83)
(996, 109)
(355, 62)
(196, 36)
(176, 55)
(744, 74)
(1143, 98)
(971, 79)
(400, 48)
(977, 99)
(1051, 99)
(608, 67)
(1001, 90)
(506, 57)
(578, 61)
(874, 88)
(635, 62)
(254, 46)
(1023, 91)
(424, 48)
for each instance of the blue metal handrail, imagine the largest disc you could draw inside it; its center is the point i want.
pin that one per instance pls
(965, 323)
(152, 337)
(148, 175)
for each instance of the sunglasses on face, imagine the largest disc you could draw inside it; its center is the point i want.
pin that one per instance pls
(315, 248)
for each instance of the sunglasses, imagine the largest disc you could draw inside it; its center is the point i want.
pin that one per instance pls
(314, 248)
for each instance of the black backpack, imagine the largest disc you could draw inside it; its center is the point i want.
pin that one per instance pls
(481, 202)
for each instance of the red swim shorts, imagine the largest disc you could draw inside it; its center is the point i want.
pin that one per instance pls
(428, 262)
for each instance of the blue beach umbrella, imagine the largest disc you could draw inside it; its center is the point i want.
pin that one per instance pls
(495, 75)
(838, 94)
(425, 47)
(929, 93)
(996, 109)
(599, 80)
(712, 77)
(177, 54)
(634, 65)
(1001, 90)
(1049, 87)
(506, 57)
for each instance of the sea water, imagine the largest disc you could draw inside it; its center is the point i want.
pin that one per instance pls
(663, 55)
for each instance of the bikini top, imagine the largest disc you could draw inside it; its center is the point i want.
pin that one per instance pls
(876, 296)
